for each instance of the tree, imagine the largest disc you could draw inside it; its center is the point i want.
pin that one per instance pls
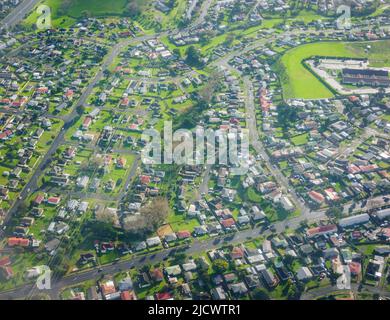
(287, 115)
(177, 52)
(151, 217)
(193, 57)
(135, 7)
(156, 212)
(190, 119)
(105, 217)
(229, 39)
(335, 211)
(91, 165)
(206, 36)
(325, 125)
(22, 208)
(180, 258)
(260, 294)
(292, 291)
(80, 110)
(220, 265)
(288, 260)
(64, 7)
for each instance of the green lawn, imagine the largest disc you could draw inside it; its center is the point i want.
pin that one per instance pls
(97, 7)
(298, 82)
(179, 222)
(300, 139)
(253, 195)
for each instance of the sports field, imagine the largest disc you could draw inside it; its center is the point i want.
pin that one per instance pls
(298, 82)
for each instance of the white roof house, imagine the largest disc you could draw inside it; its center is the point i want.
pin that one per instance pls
(33, 272)
(304, 273)
(190, 266)
(170, 237)
(83, 206)
(353, 220)
(173, 270)
(383, 214)
(72, 204)
(141, 246)
(286, 203)
(155, 241)
(82, 181)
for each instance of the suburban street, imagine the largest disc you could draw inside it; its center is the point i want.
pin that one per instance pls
(196, 246)
(203, 12)
(355, 289)
(152, 258)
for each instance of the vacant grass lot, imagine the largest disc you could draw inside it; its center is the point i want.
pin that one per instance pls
(298, 82)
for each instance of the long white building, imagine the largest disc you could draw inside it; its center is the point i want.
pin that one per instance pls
(383, 214)
(353, 220)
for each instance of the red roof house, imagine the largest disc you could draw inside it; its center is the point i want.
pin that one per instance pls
(18, 242)
(237, 253)
(127, 295)
(144, 179)
(227, 223)
(157, 275)
(355, 268)
(163, 296)
(330, 228)
(184, 234)
(54, 200)
(5, 261)
(316, 197)
(38, 199)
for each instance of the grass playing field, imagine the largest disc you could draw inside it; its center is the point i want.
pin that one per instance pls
(298, 82)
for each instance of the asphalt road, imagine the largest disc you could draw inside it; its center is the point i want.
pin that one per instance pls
(355, 289)
(203, 12)
(152, 258)
(204, 185)
(18, 14)
(260, 149)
